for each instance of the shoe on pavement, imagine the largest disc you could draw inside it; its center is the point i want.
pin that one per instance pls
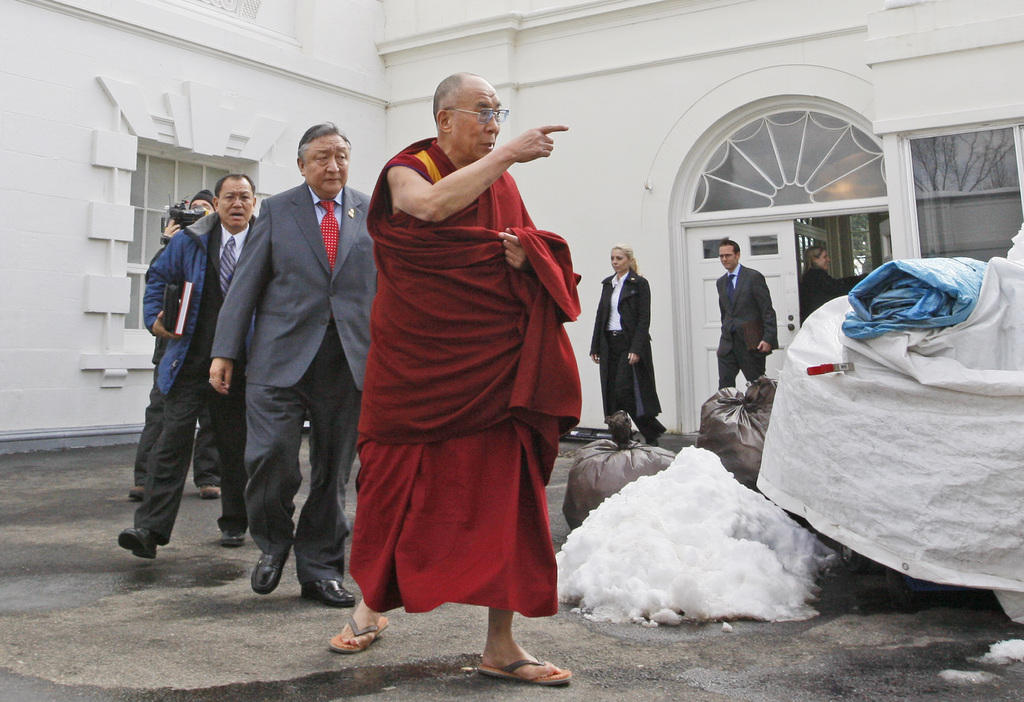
(209, 492)
(329, 592)
(267, 573)
(140, 542)
(231, 539)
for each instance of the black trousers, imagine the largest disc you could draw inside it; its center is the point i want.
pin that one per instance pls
(205, 461)
(623, 390)
(165, 481)
(327, 394)
(740, 358)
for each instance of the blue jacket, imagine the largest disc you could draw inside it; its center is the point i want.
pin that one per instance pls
(183, 260)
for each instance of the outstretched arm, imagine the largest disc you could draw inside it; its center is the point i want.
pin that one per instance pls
(433, 202)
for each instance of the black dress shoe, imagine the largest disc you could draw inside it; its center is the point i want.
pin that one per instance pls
(267, 573)
(139, 541)
(232, 538)
(330, 592)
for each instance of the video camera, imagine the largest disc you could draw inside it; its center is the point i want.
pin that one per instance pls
(182, 214)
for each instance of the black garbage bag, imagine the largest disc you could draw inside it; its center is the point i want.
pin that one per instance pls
(733, 425)
(602, 468)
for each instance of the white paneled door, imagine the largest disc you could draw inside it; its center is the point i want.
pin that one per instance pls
(769, 247)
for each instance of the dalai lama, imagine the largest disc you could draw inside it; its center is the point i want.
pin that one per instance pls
(470, 381)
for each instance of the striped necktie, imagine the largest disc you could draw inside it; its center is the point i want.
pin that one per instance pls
(732, 286)
(227, 264)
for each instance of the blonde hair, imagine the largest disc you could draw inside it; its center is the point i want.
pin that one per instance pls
(628, 250)
(811, 254)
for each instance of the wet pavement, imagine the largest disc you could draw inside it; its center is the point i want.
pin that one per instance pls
(81, 619)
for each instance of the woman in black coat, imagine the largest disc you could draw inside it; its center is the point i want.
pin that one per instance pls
(622, 346)
(816, 285)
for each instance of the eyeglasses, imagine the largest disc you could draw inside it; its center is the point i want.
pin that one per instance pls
(484, 116)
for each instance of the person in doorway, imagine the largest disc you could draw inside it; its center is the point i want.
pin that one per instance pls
(621, 344)
(205, 462)
(308, 277)
(204, 255)
(470, 382)
(817, 286)
(749, 330)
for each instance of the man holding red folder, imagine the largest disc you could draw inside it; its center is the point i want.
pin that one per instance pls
(201, 258)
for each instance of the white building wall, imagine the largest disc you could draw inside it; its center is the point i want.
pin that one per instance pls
(84, 84)
(939, 67)
(638, 83)
(645, 85)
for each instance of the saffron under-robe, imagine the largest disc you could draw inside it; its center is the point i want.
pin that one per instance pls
(470, 381)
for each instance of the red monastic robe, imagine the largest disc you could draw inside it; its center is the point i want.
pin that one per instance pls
(469, 383)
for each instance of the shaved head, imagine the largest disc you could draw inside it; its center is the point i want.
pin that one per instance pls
(448, 90)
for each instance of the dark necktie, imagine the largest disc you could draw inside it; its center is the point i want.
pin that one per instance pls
(227, 264)
(732, 286)
(329, 228)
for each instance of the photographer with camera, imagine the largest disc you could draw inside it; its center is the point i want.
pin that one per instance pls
(205, 462)
(201, 262)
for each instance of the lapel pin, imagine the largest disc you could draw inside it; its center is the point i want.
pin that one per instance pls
(352, 213)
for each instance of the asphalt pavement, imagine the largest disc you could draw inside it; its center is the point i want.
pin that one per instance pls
(82, 619)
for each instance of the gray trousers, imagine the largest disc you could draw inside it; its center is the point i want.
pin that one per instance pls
(328, 396)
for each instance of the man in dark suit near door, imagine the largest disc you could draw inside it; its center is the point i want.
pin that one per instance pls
(309, 279)
(749, 330)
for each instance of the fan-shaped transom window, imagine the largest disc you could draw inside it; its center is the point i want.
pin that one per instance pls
(791, 158)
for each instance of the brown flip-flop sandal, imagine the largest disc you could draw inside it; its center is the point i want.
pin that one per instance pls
(338, 644)
(508, 673)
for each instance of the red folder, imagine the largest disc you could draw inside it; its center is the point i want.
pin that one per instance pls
(183, 307)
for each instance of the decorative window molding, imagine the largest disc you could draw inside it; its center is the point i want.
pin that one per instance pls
(245, 9)
(198, 119)
(795, 157)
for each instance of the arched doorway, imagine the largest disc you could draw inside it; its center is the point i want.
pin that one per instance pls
(777, 182)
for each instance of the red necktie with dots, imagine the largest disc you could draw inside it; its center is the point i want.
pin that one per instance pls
(329, 228)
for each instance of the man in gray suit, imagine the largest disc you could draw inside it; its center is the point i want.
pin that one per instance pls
(749, 330)
(307, 274)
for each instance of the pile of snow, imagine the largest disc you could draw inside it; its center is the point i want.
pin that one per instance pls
(690, 543)
(1005, 652)
(967, 677)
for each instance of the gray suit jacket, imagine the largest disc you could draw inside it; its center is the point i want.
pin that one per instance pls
(751, 302)
(283, 277)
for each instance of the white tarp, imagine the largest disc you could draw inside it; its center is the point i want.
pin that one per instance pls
(915, 459)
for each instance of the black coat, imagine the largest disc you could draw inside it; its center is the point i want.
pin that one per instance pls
(817, 287)
(635, 313)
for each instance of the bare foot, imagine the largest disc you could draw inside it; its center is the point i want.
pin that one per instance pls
(527, 671)
(362, 619)
(500, 659)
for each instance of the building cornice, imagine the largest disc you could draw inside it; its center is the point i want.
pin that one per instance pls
(224, 39)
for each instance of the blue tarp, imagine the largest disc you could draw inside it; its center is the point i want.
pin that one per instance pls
(922, 293)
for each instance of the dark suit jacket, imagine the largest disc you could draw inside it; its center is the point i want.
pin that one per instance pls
(752, 302)
(284, 278)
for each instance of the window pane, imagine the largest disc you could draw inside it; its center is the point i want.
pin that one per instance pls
(213, 175)
(968, 193)
(765, 245)
(161, 191)
(135, 254)
(190, 180)
(152, 236)
(138, 196)
(134, 318)
(791, 158)
(711, 248)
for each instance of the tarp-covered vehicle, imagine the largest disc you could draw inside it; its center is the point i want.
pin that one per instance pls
(915, 457)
